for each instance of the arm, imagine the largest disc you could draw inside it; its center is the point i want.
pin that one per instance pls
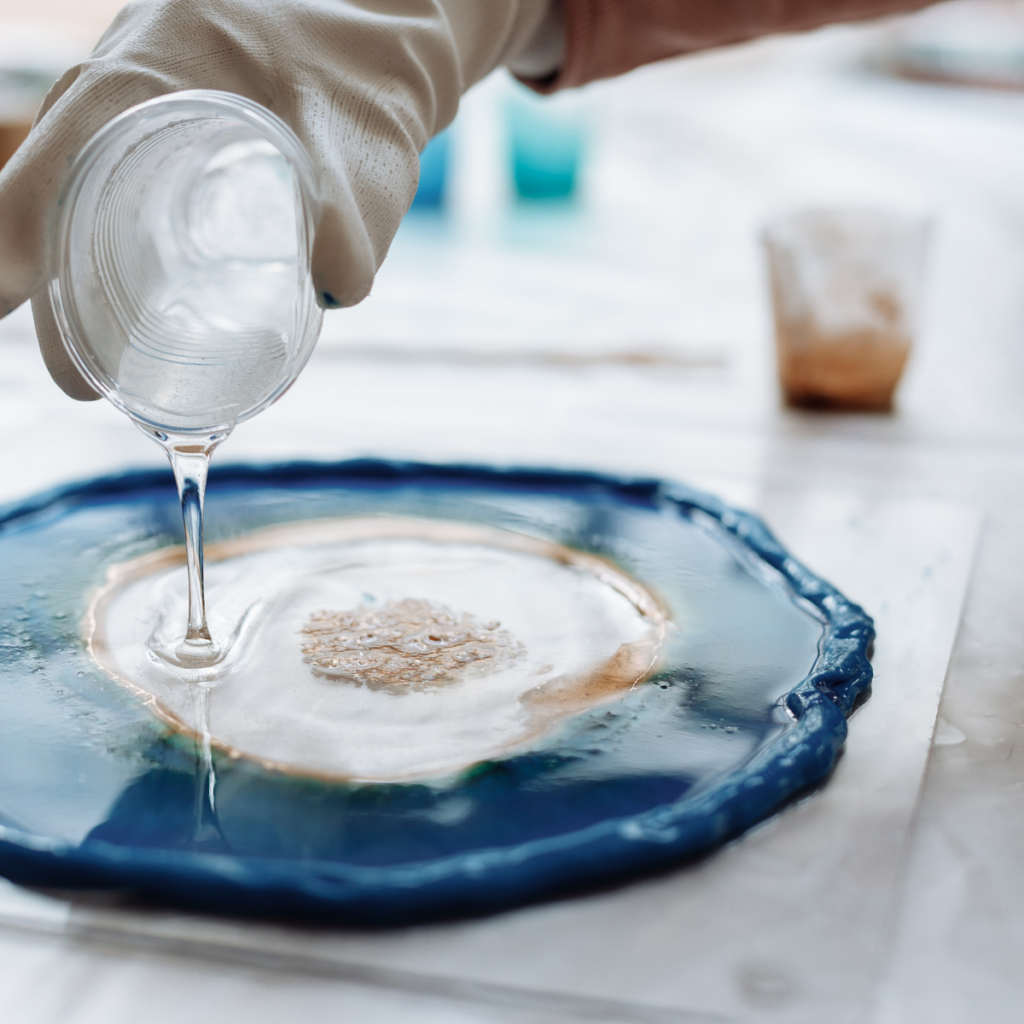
(609, 37)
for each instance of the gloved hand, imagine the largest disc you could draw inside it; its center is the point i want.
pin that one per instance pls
(364, 84)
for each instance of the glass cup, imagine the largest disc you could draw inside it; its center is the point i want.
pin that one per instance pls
(846, 288)
(182, 284)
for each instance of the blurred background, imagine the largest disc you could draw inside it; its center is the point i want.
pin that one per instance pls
(612, 234)
(582, 282)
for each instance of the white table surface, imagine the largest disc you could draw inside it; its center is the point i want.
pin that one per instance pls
(503, 338)
(707, 940)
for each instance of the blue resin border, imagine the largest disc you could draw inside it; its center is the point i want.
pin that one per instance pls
(487, 880)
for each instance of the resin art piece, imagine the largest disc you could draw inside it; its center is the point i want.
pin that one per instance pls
(370, 692)
(438, 690)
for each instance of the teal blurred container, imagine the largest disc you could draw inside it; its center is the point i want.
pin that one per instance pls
(547, 144)
(434, 163)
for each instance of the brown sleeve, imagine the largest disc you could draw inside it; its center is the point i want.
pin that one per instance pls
(609, 37)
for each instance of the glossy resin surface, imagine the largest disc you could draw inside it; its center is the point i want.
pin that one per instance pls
(745, 708)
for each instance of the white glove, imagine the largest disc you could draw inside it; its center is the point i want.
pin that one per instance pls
(364, 84)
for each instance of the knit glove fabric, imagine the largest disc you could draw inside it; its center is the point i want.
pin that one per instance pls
(364, 84)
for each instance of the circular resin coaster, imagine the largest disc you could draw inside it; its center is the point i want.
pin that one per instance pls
(445, 690)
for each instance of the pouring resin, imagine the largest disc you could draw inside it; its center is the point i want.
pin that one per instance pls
(373, 649)
(182, 287)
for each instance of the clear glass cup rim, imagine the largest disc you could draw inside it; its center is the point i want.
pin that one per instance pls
(786, 224)
(192, 104)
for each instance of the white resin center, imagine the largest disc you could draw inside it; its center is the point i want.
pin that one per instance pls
(385, 647)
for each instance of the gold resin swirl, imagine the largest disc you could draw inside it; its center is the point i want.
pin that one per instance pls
(407, 644)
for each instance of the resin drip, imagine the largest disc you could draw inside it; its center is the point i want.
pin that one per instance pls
(207, 827)
(384, 647)
(190, 462)
(196, 656)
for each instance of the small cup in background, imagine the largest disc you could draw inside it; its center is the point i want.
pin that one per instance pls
(547, 141)
(435, 161)
(846, 286)
(11, 137)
